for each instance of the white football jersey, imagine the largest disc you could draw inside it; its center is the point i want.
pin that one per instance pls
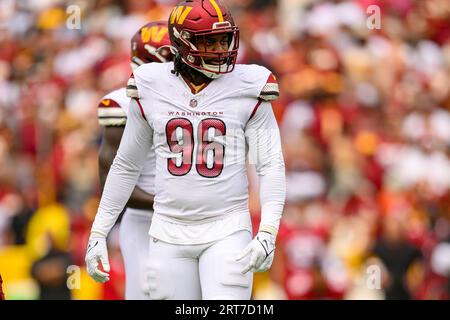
(187, 127)
(112, 111)
(201, 143)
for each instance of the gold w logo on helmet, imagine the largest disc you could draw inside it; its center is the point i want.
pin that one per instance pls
(154, 33)
(179, 14)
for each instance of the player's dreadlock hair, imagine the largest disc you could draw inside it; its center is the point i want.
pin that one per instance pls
(179, 66)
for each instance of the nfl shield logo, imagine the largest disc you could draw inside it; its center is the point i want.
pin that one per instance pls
(193, 103)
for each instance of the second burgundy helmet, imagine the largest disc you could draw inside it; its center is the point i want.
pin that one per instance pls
(192, 19)
(150, 43)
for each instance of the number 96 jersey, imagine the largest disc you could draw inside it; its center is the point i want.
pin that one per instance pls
(202, 140)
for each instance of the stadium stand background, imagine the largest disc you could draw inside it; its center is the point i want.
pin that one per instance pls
(365, 123)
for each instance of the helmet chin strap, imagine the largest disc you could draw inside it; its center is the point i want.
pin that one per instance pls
(211, 74)
(209, 70)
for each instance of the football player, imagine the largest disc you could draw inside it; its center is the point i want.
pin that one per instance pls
(150, 44)
(205, 116)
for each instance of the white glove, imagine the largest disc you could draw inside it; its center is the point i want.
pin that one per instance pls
(261, 251)
(96, 251)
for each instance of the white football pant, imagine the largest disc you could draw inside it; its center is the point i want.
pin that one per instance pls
(134, 240)
(204, 271)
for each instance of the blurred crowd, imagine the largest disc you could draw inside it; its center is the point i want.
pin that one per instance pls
(364, 114)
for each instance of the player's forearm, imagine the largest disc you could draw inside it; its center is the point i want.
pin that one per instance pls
(119, 185)
(272, 194)
(272, 184)
(108, 150)
(140, 199)
(105, 160)
(124, 172)
(264, 142)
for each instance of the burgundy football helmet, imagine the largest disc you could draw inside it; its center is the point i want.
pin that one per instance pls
(150, 43)
(192, 21)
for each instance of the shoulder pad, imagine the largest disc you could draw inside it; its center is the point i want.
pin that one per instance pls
(132, 90)
(270, 91)
(110, 113)
(261, 83)
(146, 77)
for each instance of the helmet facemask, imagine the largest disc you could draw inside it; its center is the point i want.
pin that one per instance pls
(201, 60)
(161, 54)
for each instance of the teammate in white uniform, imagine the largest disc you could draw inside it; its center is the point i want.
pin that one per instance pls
(203, 120)
(149, 44)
